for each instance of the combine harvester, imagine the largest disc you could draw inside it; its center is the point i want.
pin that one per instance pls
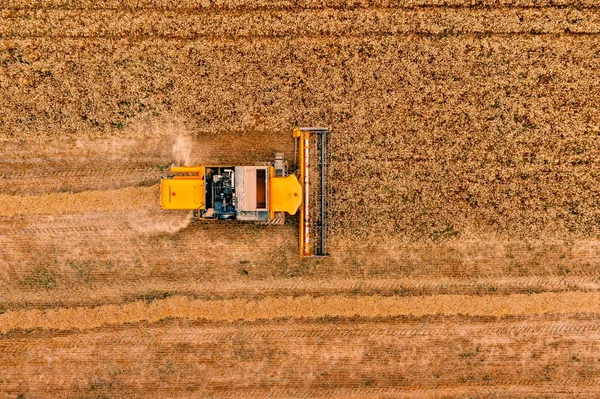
(261, 194)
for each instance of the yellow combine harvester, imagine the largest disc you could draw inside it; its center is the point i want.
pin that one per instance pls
(258, 193)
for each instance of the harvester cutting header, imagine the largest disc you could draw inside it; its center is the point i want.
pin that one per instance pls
(261, 194)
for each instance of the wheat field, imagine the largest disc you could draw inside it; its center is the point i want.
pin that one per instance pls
(465, 205)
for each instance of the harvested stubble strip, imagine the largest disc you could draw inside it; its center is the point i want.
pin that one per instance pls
(69, 203)
(301, 307)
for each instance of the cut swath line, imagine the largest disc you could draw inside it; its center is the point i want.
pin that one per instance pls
(301, 307)
(254, 290)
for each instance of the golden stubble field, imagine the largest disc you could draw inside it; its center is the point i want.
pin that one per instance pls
(465, 199)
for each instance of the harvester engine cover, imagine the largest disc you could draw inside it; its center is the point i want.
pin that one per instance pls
(247, 193)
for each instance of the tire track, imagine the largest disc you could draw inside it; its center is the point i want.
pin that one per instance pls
(66, 203)
(68, 166)
(301, 307)
(400, 327)
(70, 180)
(15, 172)
(42, 225)
(525, 389)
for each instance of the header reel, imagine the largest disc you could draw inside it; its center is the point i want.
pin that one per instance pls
(314, 160)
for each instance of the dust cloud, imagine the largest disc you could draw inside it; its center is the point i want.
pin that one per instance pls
(182, 150)
(156, 222)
